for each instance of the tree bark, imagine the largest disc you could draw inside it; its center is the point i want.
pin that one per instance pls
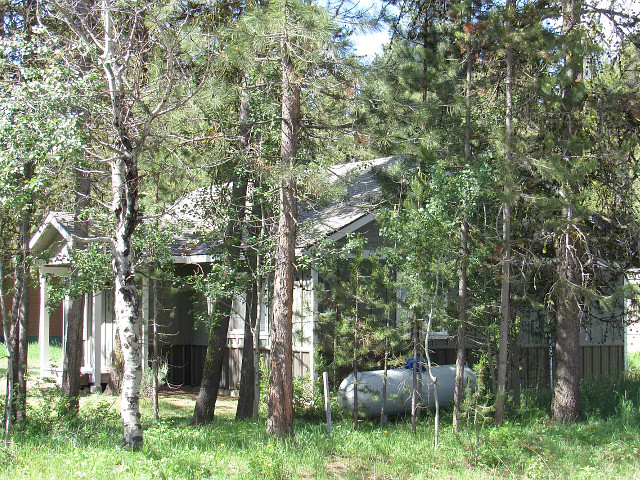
(75, 308)
(385, 370)
(256, 349)
(433, 378)
(247, 389)
(464, 251)
(20, 309)
(414, 377)
(458, 393)
(212, 371)
(247, 372)
(156, 349)
(505, 282)
(217, 345)
(131, 118)
(124, 184)
(565, 405)
(6, 329)
(354, 361)
(126, 301)
(280, 395)
(72, 356)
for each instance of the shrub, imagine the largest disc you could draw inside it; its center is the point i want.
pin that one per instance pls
(146, 385)
(607, 398)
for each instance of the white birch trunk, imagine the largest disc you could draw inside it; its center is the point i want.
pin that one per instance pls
(124, 182)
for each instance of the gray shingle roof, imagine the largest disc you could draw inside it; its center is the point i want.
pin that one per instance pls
(363, 194)
(359, 183)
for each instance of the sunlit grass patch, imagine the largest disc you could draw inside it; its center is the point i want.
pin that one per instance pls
(228, 449)
(54, 444)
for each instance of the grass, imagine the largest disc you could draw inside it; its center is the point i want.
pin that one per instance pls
(53, 445)
(55, 356)
(529, 446)
(634, 361)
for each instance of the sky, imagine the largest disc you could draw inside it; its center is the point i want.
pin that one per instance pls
(365, 44)
(370, 44)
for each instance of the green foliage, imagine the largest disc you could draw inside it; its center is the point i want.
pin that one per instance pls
(146, 384)
(40, 123)
(612, 398)
(634, 361)
(40, 130)
(358, 300)
(52, 417)
(304, 402)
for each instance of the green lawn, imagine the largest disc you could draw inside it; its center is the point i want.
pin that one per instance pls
(55, 357)
(605, 446)
(51, 447)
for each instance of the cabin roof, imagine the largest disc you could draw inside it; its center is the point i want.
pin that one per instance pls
(360, 194)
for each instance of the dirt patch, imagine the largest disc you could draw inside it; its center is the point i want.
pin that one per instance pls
(187, 399)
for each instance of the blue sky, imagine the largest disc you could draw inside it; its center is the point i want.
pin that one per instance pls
(371, 43)
(368, 44)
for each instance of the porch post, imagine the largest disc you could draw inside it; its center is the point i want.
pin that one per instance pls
(43, 330)
(66, 304)
(314, 323)
(98, 314)
(87, 355)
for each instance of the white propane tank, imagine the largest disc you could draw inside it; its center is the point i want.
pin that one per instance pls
(399, 383)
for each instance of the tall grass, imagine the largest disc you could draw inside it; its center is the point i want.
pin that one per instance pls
(54, 444)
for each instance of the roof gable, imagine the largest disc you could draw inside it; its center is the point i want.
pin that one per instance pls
(360, 182)
(55, 234)
(363, 195)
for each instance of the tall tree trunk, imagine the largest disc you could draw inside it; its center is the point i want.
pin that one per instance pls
(75, 308)
(505, 282)
(280, 395)
(212, 370)
(6, 329)
(385, 370)
(432, 377)
(514, 366)
(565, 404)
(217, 346)
(156, 349)
(262, 286)
(354, 363)
(126, 301)
(256, 346)
(20, 311)
(464, 251)
(491, 362)
(247, 372)
(247, 391)
(458, 392)
(124, 184)
(414, 377)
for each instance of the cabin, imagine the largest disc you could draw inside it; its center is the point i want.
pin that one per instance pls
(359, 191)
